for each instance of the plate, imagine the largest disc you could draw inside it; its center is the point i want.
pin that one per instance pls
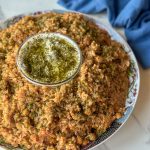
(134, 76)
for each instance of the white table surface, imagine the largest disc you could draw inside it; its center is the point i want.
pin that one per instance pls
(135, 134)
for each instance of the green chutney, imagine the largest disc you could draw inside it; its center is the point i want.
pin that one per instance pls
(48, 59)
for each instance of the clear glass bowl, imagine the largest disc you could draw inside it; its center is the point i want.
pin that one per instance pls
(36, 82)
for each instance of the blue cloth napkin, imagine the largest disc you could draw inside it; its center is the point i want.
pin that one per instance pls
(133, 15)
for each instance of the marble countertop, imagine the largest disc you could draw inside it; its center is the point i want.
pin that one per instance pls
(135, 134)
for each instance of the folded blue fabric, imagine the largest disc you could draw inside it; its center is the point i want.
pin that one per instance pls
(133, 15)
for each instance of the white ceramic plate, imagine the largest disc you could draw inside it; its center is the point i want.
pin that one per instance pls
(134, 77)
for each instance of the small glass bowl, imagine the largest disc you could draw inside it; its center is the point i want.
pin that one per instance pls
(66, 38)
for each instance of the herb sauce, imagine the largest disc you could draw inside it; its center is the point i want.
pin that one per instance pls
(49, 59)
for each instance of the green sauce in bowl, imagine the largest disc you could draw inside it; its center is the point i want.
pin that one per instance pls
(49, 59)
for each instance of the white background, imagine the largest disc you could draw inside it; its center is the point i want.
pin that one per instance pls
(135, 134)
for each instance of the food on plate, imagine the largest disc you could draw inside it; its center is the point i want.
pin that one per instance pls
(70, 116)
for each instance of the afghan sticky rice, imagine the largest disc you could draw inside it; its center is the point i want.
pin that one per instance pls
(70, 116)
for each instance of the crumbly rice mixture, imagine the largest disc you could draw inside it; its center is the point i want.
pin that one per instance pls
(72, 115)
